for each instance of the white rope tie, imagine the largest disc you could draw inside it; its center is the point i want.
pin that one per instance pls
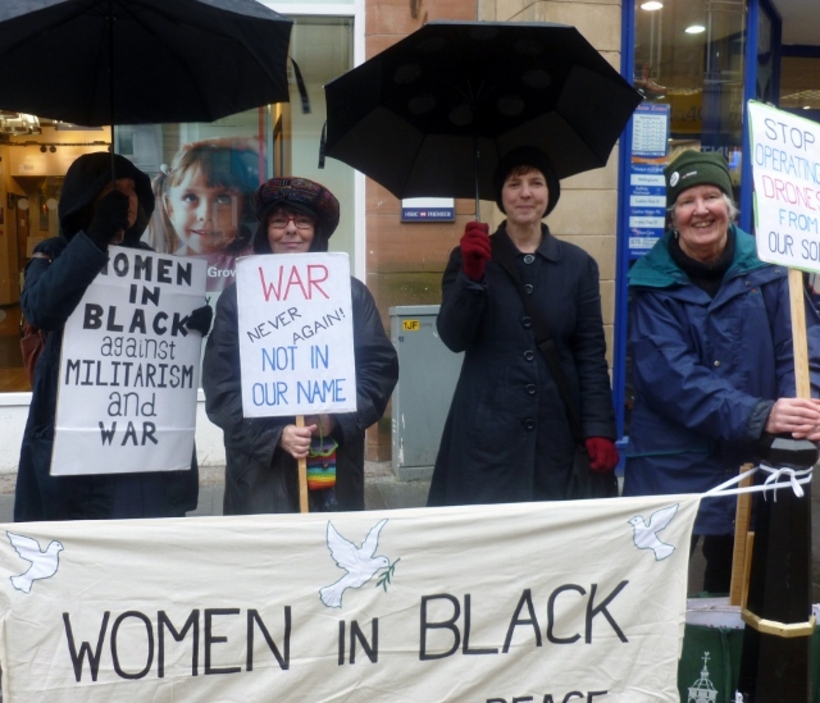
(797, 478)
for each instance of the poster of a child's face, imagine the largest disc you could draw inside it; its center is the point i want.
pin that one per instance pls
(205, 218)
(204, 205)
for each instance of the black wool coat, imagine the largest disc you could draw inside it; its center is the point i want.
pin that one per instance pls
(260, 477)
(507, 437)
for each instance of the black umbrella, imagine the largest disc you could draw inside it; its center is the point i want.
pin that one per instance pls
(96, 62)
(433, 114)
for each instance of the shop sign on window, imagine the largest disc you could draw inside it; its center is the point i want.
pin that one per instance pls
(646, 189)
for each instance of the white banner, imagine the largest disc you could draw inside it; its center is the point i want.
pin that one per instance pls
(129, 369)
(296, 334)
(786, 170)
(544, 602)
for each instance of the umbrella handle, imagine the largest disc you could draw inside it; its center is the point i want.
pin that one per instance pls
(110, 22)
(475, 170)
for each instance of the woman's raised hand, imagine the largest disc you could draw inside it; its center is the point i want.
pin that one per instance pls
(475, 249)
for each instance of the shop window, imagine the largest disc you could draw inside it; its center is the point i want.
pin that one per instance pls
(689, 65)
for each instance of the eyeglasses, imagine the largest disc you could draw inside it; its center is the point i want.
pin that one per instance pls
(301, 222)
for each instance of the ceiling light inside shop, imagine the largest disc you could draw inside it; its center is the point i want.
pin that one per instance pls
(652, 5)
(695, 29)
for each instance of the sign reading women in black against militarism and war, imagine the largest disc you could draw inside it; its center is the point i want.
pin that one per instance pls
(129, 370)
(296, 334)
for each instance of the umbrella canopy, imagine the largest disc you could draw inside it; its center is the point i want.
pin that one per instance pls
(96, 62)
(433, 114)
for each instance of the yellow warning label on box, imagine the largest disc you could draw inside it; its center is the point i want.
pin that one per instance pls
(410, 325)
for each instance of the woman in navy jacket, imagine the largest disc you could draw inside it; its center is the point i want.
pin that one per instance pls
(712, 355)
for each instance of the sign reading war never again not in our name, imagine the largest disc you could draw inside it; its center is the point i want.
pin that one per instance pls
(559, 602)
(129, 369)
(786, 170)
(296, 334)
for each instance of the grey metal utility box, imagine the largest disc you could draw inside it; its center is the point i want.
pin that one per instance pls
(428, 372)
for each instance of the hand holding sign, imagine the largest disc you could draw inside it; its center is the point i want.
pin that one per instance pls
(295, 440)
(296, 344)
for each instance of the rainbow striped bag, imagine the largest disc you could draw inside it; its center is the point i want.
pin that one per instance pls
(321, 464)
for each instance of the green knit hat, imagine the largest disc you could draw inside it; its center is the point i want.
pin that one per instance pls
(695, 168)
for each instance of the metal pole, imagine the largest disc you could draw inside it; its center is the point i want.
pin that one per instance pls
(475, 170)
(110, 23)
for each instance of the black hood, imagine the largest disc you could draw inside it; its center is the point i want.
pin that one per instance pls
(84, 180)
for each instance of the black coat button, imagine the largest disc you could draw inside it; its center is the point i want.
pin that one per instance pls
(529, 355)
(526, 322)
(529, 424)
(531, 388)
(528, 288)
(529, 258)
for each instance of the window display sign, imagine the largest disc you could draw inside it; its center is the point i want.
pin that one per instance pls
(647, 190)
(785, 167)
(428, 210)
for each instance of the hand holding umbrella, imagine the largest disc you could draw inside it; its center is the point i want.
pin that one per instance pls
(475, 249)
(110, 219)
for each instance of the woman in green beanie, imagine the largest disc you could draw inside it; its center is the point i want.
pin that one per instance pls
(712, 355)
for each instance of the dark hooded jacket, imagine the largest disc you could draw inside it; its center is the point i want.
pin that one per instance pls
(260, 477)
(51, 292)
(507, 437)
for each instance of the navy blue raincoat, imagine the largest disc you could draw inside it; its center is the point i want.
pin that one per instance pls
(706, 373)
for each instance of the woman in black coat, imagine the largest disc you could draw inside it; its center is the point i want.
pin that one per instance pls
(296, 215)
(507, 437)
(94, 212)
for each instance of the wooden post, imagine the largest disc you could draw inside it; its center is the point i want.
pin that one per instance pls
(799, 338)
(303, 490)
(776, 657)
(742, 555)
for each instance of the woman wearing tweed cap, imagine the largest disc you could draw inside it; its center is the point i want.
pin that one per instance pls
(296, 215)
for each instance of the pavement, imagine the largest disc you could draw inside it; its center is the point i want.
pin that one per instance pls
(383, 491)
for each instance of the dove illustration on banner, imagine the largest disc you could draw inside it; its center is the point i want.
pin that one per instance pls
(645, 536)
(359, 563)
(44, 563)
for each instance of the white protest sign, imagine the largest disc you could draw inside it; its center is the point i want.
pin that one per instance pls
(786, 170)
(129, 369)
(296, 334)
(544, 602)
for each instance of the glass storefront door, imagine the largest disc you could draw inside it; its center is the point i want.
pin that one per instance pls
(688, 59)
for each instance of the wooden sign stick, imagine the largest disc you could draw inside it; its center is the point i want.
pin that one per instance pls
(303, 489)
(799, 337)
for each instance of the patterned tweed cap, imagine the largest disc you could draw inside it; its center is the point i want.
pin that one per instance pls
(300, 194)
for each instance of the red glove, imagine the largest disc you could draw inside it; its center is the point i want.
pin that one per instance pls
(603, 457)
(475, 249)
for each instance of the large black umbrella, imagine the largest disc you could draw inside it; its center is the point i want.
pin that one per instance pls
(95, 62)
(433, 114)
